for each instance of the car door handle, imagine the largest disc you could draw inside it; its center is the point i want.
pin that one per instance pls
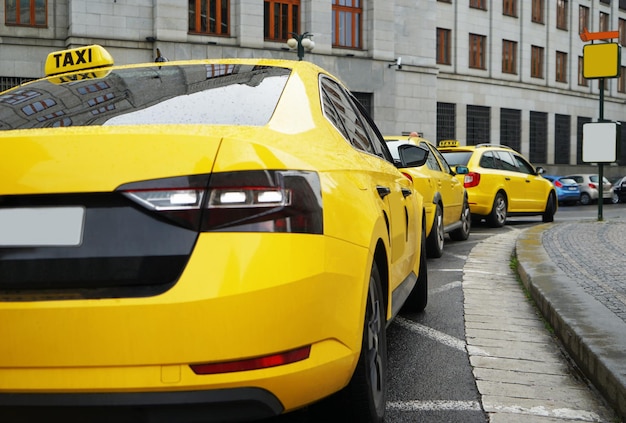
(406, 192)
(383, 191)
(527, 181)
(507, 179)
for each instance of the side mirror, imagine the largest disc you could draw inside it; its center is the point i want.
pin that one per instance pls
(540, 170)
(412, 155)
(461, 170)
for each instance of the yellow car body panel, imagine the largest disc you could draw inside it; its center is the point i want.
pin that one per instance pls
(241, 294)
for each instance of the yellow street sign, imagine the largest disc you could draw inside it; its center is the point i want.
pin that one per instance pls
(601, 60)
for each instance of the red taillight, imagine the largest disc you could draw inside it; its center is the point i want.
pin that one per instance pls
(593, 186)
(558, 184)
(472, 179)
(247, 201)
(253, 363)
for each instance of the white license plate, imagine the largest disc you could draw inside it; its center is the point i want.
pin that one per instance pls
(43, 226)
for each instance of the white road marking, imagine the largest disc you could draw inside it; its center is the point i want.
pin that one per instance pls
(459, 256)
(446, 287)
(434, 405)
(445, 270)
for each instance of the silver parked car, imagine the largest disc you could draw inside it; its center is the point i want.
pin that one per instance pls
(588, 184)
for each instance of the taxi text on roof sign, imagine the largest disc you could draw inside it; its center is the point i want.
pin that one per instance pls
(449, 143)
(80, 58)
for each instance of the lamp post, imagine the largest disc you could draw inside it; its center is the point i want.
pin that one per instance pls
(301, 42)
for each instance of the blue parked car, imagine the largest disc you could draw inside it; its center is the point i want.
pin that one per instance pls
(567, 190)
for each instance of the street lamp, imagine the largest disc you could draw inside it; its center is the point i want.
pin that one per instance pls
(301, 42)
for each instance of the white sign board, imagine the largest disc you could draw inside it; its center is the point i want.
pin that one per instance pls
(600, 142)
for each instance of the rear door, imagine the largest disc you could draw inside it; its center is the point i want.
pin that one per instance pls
(450, 187)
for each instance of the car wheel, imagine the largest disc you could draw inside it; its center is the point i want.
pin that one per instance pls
(418, 298)
(434, 244)
(367, 389)
(497, 217)
(585, 199)
(615, 198)
(463, 232)
(548, 214)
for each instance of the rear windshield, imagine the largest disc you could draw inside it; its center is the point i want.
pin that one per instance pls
(567, 181)
(190, 94)
(457, 158)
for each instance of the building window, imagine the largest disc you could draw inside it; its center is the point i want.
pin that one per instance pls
(7, 82)
(582, 81)
(536, 62)
(561, 14)
(443, 46)
(509, 7)
(621, 26)
(621, 81)
(605, 21)
(509, 57)
(26, 12)
(562, 131)
(622, 4)
(208, 17)
(538, 137)
(281, 19)
(537, 11)
(446, 121)
(606, 2)
(347, 16)
(366, 100)
(583, 18)
(511, 128)
(579, 138)
(477, 52)
(478, 125)
(478, 4)
(561, 66)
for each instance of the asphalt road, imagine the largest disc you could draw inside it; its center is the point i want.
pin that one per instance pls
(431, 378)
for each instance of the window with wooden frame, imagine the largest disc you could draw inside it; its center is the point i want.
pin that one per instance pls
(561, 66)
(582, 81)
(209, 17)
(561, 14)
(478, 4)
(347, 23)
(26, 13)
(537, 11)
(536, 62)
(621, 81)
(509, 8)
(477, 51)
(621, 26)
(583, 18)
(281, 18)
(605, 21)
(509, 56)
(443, 46)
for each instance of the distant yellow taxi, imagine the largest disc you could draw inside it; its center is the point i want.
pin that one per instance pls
(207, 240)
(500, 182)
(445, 199)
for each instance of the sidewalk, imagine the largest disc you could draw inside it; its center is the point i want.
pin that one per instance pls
(576, 274)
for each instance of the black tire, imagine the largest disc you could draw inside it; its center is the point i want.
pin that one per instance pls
(497, 217)
(434, 243)
(548, 214)
(367, 391)
(418, 298)
(462, 233)
(615, 198)
(585, 199)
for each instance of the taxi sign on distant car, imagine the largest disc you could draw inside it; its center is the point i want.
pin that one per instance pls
(81, 58)
(449, 143)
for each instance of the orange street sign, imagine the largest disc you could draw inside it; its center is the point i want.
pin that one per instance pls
(603, 35)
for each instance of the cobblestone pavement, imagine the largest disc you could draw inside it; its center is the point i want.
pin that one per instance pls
(520, 372)
(594, 256)
(574, 272)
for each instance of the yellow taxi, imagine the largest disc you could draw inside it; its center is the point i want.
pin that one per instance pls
(208, 240)
(445, 198)
(500, 182)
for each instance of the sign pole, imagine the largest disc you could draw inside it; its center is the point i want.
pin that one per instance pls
(600, 164)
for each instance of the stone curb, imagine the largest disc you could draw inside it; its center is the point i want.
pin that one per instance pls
(591, 334)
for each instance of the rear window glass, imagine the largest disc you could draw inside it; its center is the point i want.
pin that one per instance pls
(225, 94)
(567, 181)
(457, 158)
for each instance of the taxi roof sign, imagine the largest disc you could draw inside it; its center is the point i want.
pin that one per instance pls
(449, 143)
(76, 59)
